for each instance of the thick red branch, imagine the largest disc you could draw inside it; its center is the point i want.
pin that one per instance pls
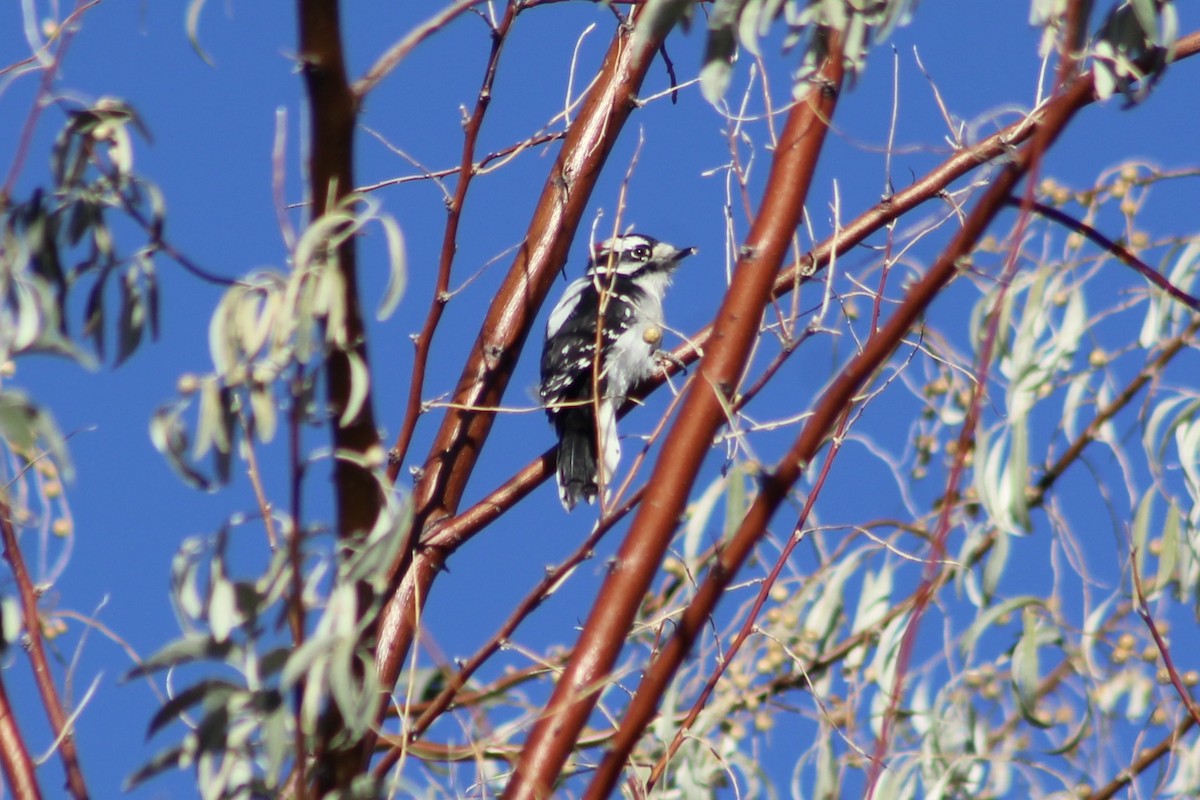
(18, 768)
(703, 413)
(829, 409)
(457, 445)
(43, 677)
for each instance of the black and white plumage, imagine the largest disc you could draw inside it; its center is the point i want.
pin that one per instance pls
(625, 282)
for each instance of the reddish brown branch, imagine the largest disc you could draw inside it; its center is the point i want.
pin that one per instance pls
(506, 325)
(703, 412)
(830, 407)
(333, 116)
(334, 110)
(466, 171)
(18, 767)
(1124, 254)
(1145, 760)
(1143, 611)
(60, 725)
(614, 761)
(929, 186)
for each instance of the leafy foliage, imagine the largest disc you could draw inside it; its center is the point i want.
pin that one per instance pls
(981, 584)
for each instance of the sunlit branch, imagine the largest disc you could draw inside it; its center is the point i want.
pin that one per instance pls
(1119, 250)
(19, 773)
(456, 446)
(397, 52)
(466, 171)
(60, 724)
(703, 412)
(777, 482)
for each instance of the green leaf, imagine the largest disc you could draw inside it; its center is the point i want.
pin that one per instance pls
(1141, 529)
(200, 692)
(192, 647)
(984, 622)
(193, 29)
(169, 436)
(360, 385)
(163, 760)
(397, 268)
(132, 319)
(1170, 546)
(27, 429)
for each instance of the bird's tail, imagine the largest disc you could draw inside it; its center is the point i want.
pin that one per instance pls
(576, 456)
(577, 467)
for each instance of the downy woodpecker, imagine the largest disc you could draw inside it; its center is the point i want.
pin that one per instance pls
(621, 294)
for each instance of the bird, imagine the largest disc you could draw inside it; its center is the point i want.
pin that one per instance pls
(621, 295)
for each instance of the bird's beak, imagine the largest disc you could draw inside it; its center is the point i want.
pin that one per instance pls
(683, 253)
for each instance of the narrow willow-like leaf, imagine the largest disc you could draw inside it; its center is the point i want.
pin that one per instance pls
(1026, 670)
(360, 385)
(397, 268)
(169, 436)
(193, 29)
(192, 647)
(203, 691)
(132, 318)
(986, 620)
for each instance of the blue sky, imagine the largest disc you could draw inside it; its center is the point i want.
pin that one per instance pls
(213, 128)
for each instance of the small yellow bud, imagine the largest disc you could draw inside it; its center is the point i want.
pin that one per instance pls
(187, 384)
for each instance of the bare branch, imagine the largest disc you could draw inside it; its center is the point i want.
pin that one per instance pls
(703, 412)
(60, 724)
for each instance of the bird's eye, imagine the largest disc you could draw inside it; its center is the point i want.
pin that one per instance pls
(642, 252)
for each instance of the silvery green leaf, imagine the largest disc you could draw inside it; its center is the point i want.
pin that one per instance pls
(987, 619)
(132, 319)
(210, 426)
(823, 616)
(715, 76)
(720, 49)
(1140, 531)
(193, 29)
(875, 598)
(699, 514)
(1026, 670)
(884, 663)
(207, 690)
(360, 384)
(11, 621)
(192, 647)
(28, 429)
(397, 268)
(223, 616)
(1170, 547)
(163, 760)
(254, 316)
(751, 25)
(264, 410)
(169, 436)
